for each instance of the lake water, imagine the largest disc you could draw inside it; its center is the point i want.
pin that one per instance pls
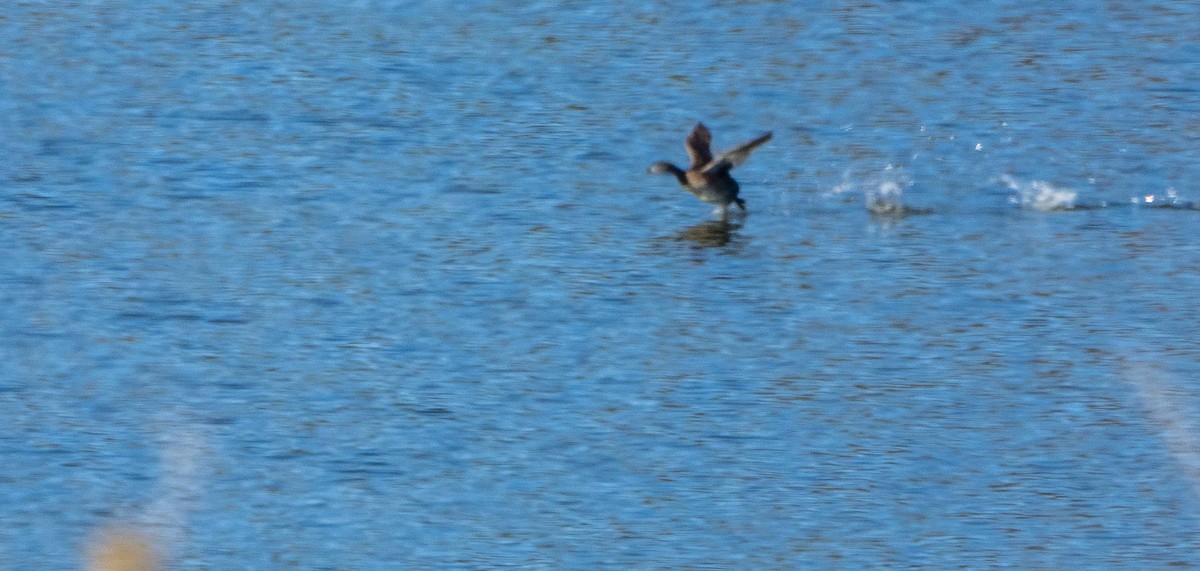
(376, 285)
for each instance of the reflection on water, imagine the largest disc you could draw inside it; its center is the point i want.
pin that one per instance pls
(709, 234)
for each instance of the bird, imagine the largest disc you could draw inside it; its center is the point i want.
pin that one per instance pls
(708, 177)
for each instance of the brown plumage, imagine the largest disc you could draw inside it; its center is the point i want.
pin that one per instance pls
(708, 177)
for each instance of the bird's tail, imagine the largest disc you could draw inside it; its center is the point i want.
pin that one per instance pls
(741, 203)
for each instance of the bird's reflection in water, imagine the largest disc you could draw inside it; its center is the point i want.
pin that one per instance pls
(709, 234)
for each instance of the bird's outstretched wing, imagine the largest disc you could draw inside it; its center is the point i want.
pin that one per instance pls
(698, 145)
(735, 156)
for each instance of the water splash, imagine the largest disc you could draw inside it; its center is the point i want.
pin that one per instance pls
(883, 193)
(1040, 195)
(1168, 198)
(885, 199)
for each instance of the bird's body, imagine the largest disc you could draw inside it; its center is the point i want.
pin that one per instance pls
(708, 177)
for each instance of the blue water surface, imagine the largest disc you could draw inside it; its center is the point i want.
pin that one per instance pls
(380, 285)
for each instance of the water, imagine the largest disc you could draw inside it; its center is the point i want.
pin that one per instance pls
(375, 286)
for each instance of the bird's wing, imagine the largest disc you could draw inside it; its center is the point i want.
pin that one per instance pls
(698, 145)
(735, 156)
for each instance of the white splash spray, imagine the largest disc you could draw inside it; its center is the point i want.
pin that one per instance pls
(883, 193)
(1167, 198)
(886, 198)
(1040, 195)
